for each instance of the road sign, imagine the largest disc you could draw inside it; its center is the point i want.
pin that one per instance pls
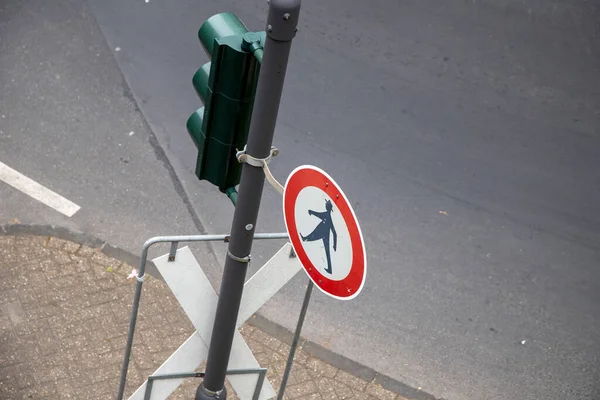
(324, 232)
(193, 290)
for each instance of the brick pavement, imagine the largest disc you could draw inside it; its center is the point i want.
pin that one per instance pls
(64, 312)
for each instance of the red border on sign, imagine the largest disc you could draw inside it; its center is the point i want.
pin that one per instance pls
(352, 284)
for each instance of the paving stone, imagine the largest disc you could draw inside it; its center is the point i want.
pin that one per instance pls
(71, 247)
(263, 359)
(23, 375)
(55, 243)
(96, 310)
(266, 340)
(99, 298)
(40, 391)
(144, 360)
(34, 297)
(255, 346)
(351, 380)
(118, 343)
(341, 390)
(300, 356)
(86, 252)
(75, 342)
(183, 329)
(87, 358)
(7, 296)
(40, 253)
(378, 392)
(64, 282)
(160, 357)
(15, 312)
(47, 343)
(9, 256)
(62, 259)
(7, 241)
(313, 396)
(300, 373)
(318, 369)
(97, 391)
(123, 312)
(66, 389)
(105, 372)
(25, 348)
(102, 346)
(301, 389)
(275, 382)
(101, 272)
(8, 391)
(67, 325)
(108, 357)
(31, 241)
(79, 375)
(106, 284)
(105, 261)
(5, 325)
(43, 374)
(246, 330)
(9, 355)
(153, 340)
(158, 320)
(326, 388)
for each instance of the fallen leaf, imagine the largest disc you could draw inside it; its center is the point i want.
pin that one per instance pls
(443, 212)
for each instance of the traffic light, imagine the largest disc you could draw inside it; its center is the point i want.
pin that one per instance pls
(227, 86)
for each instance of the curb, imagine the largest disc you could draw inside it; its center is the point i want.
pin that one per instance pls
(72, 236)
(338, 361)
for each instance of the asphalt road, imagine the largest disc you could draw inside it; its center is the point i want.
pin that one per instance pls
(464, 132)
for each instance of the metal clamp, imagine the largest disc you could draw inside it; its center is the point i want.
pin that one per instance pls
(244, 157)
(263, 163)
(239, 259)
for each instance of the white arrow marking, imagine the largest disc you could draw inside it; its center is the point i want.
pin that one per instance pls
(198, 299)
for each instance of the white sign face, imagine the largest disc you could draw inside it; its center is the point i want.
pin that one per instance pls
(339, 253)
(324, 232)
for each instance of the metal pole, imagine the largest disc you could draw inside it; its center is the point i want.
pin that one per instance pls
(281, 29)
(288, 366)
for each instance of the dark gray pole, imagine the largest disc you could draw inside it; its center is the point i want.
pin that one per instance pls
(281, 29)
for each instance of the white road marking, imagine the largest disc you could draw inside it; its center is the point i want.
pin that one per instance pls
(37, 191)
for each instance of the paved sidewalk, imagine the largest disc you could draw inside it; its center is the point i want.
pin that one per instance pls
(64, 312)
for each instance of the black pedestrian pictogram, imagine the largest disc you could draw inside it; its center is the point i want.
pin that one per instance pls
(323, 231)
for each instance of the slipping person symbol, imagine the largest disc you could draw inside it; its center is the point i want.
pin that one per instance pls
(323, 231)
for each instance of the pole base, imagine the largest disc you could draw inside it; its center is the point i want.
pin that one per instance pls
(203, 394)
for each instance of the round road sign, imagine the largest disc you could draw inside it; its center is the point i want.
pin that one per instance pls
(324, 232)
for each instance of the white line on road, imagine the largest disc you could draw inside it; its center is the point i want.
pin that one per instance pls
(37, 191)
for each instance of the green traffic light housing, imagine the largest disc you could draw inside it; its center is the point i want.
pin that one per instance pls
(227, 86)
